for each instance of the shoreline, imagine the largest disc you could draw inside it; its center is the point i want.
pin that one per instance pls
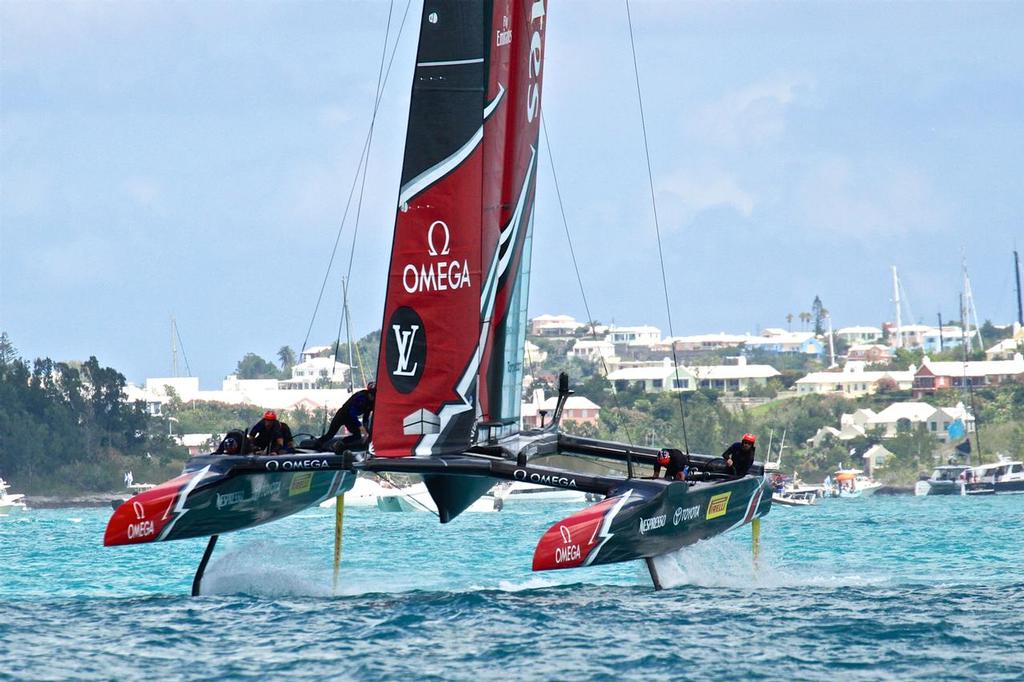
(88, 500)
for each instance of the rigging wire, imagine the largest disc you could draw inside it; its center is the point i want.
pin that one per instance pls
(363, 158)
(657, 228)
(576, 267)
(181, 344)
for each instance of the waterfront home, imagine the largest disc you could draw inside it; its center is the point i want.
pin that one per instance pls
(933, 376)
(854, 380)
(733, 378)
(653, 377)
(554, 325)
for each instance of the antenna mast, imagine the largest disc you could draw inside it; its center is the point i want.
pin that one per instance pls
(1016, 275)
(174, 348)
(896, 300)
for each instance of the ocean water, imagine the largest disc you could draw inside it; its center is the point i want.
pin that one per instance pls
(877, 588)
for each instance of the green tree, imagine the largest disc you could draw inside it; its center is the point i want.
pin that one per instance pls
(819, 313)
(252, 366)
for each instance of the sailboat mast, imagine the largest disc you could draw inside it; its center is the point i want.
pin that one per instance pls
(1016, 275)
(348, 333)
(896, 300)
(831, 344)
(174, 348)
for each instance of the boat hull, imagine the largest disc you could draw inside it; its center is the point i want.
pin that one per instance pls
(219, 494)
(649, 519)
(928, 487)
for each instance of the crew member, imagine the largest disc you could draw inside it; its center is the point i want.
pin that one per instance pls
(739, 456)
(271, 435)
(675, 463)
(356, 415)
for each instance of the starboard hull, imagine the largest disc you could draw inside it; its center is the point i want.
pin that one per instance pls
(650, 519)
(219, 494)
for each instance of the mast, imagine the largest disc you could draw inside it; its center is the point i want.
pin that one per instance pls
(1016, 276)
(831, 344)
(940, 333)
(174, 348)
(348, 334)
(896, 300)
(970, 313)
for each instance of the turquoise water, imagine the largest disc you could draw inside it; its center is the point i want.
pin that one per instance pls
(878, 588)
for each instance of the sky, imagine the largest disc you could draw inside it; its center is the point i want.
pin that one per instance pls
(193, 159)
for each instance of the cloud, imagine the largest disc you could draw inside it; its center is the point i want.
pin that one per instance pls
(872, 198)
(753, 115)
(688, 192)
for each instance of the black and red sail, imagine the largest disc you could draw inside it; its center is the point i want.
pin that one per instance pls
(454, 317)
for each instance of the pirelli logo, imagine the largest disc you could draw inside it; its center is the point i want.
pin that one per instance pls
(300, 483)
(718, 505)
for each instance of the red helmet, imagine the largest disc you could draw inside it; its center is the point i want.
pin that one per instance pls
(664, 457)
(749, 438)
(270, 415)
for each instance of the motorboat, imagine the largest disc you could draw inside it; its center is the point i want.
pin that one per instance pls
(10, 502)
(945, 480)
(367, 488)
(519, 492)
(792, 492)
(1003, 477)
(850, 483)
(416, 498)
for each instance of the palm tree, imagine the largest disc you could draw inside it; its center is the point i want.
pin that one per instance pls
(805, 318)
(789, 321)
(287, 357)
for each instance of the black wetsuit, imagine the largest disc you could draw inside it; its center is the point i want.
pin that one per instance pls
(676, 467)
(741, 459)
(357, 411)
(265, 434)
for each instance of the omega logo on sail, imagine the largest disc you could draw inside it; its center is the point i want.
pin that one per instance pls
(436, 275)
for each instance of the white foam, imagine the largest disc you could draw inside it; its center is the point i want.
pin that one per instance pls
(731, 565)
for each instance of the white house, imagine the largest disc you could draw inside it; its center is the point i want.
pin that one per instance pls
(853, 381)
(316, 372)
(852, 335)
(532, 353)
(698, 342)
(554, 325)
(654, 378)
(645, 335)
(733, 378)
(591, 349)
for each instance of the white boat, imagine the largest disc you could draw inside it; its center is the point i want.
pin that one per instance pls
(364, 493)
(945, 480)
(416, 498)
(1003, 477)
(10, 503)
(519, 492)
(851, 483)
(789, 500)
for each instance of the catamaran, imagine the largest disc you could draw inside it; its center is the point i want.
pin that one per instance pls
(449, 378)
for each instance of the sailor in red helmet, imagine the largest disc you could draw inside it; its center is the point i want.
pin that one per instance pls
(739, 456)
(270, 435)
(675, 463)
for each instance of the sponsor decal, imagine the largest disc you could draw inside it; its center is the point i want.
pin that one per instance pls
(504, 36)
(405, 349)
(718, 505)
(555, 480)
(569, 551)
(685, 514)
(533, 87)
(300, 483)
(438, 273)
(140, 511)
(142, 529)
(259, 490)
(653, 523)
(296, 464)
